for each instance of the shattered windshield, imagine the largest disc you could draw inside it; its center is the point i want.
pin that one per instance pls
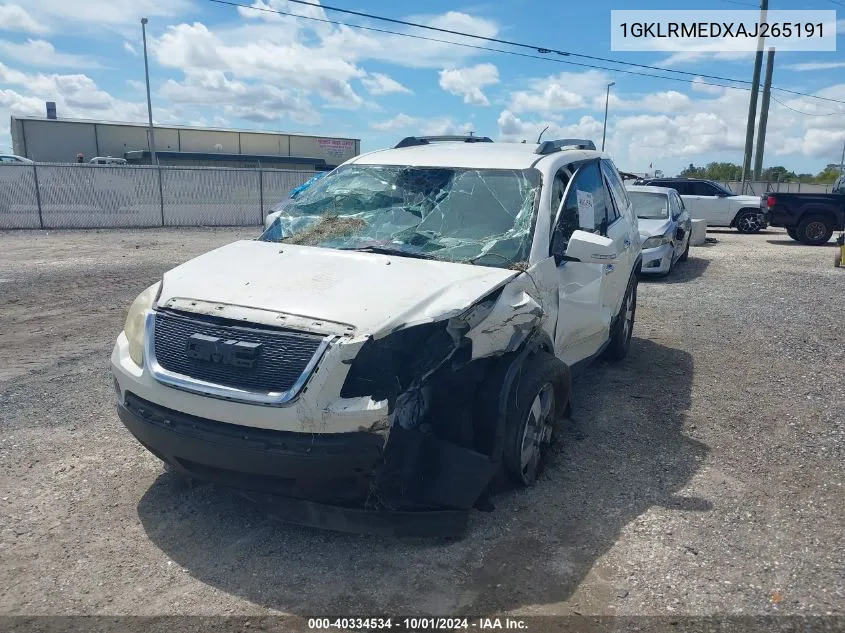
(650, 206)
(483, 216)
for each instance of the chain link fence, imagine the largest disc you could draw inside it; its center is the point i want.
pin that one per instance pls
(760, 187)
(58, 196)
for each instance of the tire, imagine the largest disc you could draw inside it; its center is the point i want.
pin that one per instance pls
(623, 326)
(685, 255)
(793, 233)
(814, 230)
(538, 400)
(748, 221)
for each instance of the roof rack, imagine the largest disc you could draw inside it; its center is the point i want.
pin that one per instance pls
(549, 147)
(411, 141)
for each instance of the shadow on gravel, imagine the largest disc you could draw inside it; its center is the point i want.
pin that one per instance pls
(682, 272)
(791, 242)
(623, 453)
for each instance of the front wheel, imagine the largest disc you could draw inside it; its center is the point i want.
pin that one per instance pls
(623, 327)
(749, 221)
(537, 402)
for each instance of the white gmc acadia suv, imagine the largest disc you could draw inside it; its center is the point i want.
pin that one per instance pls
(405, 330)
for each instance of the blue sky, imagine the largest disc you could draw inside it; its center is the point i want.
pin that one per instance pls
(222, 66)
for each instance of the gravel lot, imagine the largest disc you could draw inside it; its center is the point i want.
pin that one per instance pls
(704, 474)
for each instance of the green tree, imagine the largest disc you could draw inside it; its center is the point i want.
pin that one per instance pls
(777, 174)
(827, 175)
(722, 171)
(692, 172)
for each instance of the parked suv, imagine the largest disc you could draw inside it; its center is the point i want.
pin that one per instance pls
(715, 203)
(404, 330)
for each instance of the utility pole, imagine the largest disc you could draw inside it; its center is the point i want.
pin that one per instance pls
(149, 101)
(752, 105)
(764, 115)
(606, 101)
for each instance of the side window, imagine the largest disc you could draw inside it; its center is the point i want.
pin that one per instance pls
(585, 206)
(558, 188)
(703, 189)
(682, 188)
(617, 188)
(674, 205)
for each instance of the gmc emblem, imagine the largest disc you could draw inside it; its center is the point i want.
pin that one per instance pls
(223, 351)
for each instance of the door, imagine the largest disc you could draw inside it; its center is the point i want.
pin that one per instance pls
(705, 203)
(583, 318)
(622, 229)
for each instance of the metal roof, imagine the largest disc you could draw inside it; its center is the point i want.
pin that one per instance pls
(267, 158)
(162, 126)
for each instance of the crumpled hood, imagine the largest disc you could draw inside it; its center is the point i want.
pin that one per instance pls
(371, 292)
(648, 228)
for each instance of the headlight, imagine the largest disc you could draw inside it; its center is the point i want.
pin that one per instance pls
(656, 240)
(134, 326)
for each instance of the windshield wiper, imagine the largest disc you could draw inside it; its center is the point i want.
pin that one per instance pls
(386, 250)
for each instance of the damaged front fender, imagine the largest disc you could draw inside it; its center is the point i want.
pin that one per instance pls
(526, 304)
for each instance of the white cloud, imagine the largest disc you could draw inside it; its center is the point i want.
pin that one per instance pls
(552, 99)
(193, 48)
(43, 53)
(15, 18)
(689, 57)
(379, 84)
(261, 103)
(437, 126)
(95, 14)
(76, 96)
(815, 66)
(514, 129)
(468, 82)
(127, 46)
(400, 122)
(412, 53)
(700, 85)
(564, 91)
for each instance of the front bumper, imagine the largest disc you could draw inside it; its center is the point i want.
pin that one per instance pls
(332, 481)
(658, 260)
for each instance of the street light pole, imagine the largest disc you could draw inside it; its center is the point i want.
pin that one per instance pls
(153, 158)
(606, 101)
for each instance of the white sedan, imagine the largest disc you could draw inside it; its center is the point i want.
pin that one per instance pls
(664, 226)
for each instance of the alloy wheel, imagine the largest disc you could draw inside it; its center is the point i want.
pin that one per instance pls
(537, 432)
(749, 223)
(815, 230)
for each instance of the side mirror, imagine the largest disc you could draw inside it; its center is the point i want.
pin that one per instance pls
(590, 248)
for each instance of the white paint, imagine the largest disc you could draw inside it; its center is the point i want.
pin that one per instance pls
(699, 232)
(372, 293)
(356, 295)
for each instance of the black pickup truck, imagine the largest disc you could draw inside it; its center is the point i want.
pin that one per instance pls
(810, 218)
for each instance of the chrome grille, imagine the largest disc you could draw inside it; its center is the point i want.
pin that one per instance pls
(283, 357)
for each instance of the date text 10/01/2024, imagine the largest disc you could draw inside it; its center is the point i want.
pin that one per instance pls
(417, 624)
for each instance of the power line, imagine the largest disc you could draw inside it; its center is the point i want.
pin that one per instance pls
(539, 49)
(805, 113)
(696, 76)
